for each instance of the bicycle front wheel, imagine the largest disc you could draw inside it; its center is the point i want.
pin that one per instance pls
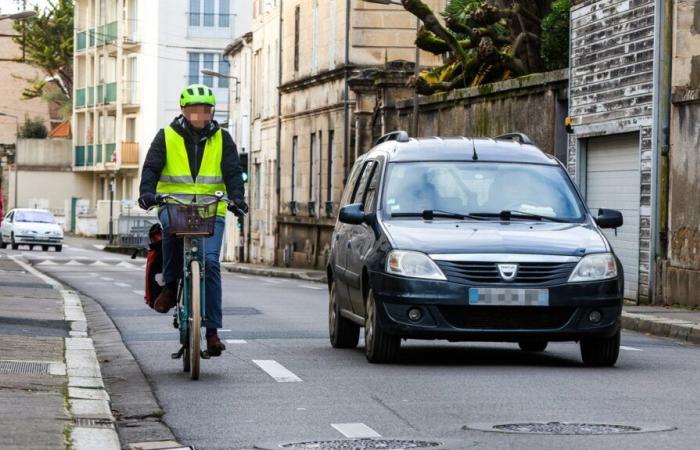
(195, 321)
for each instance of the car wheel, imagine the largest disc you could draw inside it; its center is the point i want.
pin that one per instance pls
(533, 346)
(379, 346)
(601, 352)
(343, 332)
(45, 248)
(2, 243)
(59, 248)
(12, 244)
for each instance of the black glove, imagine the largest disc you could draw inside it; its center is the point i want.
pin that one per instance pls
(148, 200)
(239, 207)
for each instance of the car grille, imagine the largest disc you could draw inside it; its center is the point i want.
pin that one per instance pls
(468, 272)
(507, 317)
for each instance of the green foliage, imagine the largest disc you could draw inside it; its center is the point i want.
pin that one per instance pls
(49, 46)
(460, 11)
(33, 129)
(555, 36)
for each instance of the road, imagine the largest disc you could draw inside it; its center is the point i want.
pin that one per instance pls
(276, 331)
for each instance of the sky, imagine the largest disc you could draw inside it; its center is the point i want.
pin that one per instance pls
(10, 6)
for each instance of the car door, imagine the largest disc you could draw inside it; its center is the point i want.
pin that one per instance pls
(340, 239)
(7, 227)
(361, 237)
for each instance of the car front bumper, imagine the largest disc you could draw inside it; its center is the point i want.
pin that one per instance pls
(446, 313)
(38, 240)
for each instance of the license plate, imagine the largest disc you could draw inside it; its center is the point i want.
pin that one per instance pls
(508, 297)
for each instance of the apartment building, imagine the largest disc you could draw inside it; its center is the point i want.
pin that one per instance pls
(132, 59)
(325, 43)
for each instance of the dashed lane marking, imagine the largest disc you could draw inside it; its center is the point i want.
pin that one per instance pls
(315, 288)
(136, 291)
(122, 284)
(107, 279)
(355, 430)
(99, 246)
(236, 341)
(631, 349)
(276, 370)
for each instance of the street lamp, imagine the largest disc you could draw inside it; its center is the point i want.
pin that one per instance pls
(416, 68)
(16, 137)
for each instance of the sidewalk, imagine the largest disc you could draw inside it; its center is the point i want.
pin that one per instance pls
(51, 389)
(676, 323)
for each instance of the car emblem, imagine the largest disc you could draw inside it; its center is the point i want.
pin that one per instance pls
(508, 271)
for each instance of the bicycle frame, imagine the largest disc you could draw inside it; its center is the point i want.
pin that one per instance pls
(191, 252)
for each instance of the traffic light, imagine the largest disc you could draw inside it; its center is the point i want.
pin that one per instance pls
(243, 157)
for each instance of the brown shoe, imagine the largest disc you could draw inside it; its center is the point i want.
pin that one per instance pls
(214, 345)
(166, 300)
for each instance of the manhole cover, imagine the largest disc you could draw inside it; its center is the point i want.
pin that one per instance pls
(568, 428)
(24, 368)
(93, 423)
(360, 444)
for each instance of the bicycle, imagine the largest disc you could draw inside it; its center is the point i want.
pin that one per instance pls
(192, 221)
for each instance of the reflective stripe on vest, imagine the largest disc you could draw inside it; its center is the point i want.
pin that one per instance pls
(176, 177)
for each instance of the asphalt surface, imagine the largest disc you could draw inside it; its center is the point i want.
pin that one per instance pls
(436, 390)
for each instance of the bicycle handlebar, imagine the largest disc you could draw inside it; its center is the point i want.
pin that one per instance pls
(219, 196)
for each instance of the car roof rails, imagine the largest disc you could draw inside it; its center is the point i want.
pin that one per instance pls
(520, 137)
(398, 136)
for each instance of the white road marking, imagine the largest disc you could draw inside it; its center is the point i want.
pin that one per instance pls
(355, 430)
(48, 262)
(316, 288)
(276, 370)
(631, 349)
(243, 276)
(224, 329)
(107, 279)
(236, 341)
(99, 246)
(136, 291)
(122, 284)
(77, 249)
(98, 263)
(73, 262)
(270, 280)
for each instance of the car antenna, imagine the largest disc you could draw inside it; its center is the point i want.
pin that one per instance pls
(474, 155)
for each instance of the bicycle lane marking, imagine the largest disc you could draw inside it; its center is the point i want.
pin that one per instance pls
(355, 430)
(277, 371)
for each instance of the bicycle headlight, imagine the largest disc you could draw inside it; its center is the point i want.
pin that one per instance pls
(598, 266)
(413, 264)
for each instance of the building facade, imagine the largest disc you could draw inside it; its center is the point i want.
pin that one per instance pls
(132, 59)
(325, 43)
(612, 101)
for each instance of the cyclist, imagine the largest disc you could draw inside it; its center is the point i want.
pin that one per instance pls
(193, 155)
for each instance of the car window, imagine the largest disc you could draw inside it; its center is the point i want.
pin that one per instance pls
(10, 215)
(359, 194)
(480, 187)
(34, 217)
(350, 186)
(368, 205)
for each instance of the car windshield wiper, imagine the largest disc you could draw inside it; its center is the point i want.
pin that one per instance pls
(507, 214)
(430, 214)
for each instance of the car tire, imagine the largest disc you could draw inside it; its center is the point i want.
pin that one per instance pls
(533, 346)
(58, 248)
(379, 346)
(45, 248)
(602, 352)
(12, 243)
(343, 333)
(2, 243)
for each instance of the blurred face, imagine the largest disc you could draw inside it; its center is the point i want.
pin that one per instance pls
(198, 115)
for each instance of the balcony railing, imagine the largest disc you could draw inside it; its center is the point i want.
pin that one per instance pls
(90, 160)
(111, 32)
(130, 93)
(111, 155)
(110, 93)
(80, 98)
(91, 38)
(130, 153)
(80, 41)
(99, 152)
(90, 95)
(79, 158)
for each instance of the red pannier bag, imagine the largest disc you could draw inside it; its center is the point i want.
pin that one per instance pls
(154, 265)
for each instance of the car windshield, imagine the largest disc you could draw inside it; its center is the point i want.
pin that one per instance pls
(480, 189)
(34, 216)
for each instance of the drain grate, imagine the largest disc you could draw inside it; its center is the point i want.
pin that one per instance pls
(93, 423)
(24, 368)
(568, 428)
(361, 444)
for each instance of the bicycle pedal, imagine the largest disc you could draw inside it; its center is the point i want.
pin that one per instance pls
(204, 354)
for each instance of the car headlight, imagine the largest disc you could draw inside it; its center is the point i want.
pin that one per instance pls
(599, 266)
(413, 264)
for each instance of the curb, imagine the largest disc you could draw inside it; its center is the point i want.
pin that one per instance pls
(311, 276)
(681, 330)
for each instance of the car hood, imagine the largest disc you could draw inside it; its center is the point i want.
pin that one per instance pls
(544, 238)
(37, 226)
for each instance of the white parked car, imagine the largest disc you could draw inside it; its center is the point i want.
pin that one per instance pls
(23, 226)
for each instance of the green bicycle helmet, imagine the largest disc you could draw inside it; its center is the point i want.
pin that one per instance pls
(197, 94)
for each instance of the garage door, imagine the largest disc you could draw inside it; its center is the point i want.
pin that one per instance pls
(612, 181)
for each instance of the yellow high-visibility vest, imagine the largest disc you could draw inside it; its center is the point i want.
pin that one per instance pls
(176, 177)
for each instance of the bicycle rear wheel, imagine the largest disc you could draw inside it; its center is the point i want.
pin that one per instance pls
(195, 321)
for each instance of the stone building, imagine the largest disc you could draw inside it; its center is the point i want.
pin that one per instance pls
(325, 44)
(679, 271)
(613, 104)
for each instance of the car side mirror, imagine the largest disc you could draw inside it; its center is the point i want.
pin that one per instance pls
(609, 218)
(352, 214)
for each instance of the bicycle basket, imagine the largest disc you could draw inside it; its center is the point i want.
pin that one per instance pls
(192, 220)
